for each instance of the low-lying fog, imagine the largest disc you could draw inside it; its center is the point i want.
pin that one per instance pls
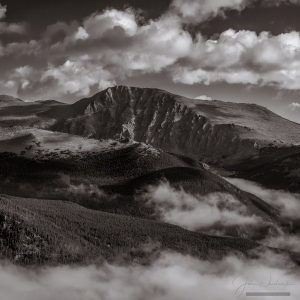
(174, 276)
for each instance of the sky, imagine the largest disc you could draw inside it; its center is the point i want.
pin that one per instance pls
(231, 50)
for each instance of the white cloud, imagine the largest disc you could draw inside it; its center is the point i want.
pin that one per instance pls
(112, 45)
(100, 24)
(96, 58)
(243, 57)
(77, 77)
(81, 34)
(197, 212)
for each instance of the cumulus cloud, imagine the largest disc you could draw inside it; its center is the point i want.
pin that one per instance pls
(196, 212)
(171, 276)
(97, 25)
(287, 203)
(75, 59)
(75, 77)
(243, 57)
(88, 58)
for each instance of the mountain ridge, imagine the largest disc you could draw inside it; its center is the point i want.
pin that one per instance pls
(230, 137)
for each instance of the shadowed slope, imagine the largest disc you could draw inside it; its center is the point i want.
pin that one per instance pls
(41, 231)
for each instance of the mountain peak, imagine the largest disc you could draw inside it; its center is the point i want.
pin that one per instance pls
(210, 130)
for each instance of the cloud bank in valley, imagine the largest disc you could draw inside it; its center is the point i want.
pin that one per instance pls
(74, 59)
(287, 203)
(170, 277)
(196, 212)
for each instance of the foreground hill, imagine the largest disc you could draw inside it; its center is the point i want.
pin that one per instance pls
(48, 231)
